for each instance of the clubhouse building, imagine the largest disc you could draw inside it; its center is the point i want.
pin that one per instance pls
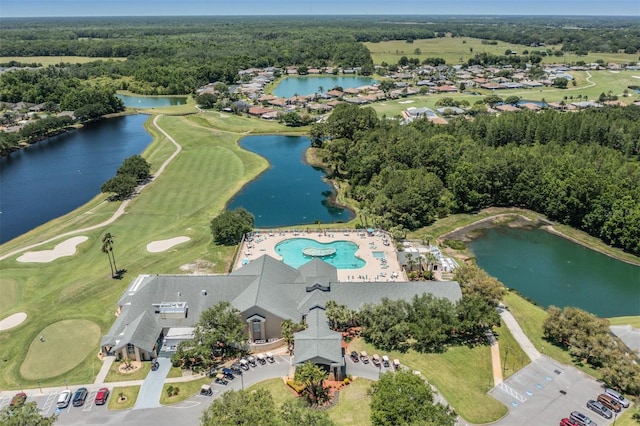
(157, 312)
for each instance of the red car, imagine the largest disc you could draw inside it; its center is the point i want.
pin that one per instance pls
(18, 400)
(567, 422)
(102, 396)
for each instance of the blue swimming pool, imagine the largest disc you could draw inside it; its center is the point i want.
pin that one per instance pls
(344, 256)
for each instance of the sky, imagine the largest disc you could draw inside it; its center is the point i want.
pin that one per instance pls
(51, 8)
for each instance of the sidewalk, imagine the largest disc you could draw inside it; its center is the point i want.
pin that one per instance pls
(519, 335)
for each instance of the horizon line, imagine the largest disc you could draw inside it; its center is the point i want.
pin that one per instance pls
(330, 15)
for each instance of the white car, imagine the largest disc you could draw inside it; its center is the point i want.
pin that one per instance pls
(63, 399)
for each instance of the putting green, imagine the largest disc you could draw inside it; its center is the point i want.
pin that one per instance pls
(8, 295)
(66, 344)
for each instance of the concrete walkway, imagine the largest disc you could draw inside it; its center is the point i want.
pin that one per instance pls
(519, 335)
(104, 370)
(496, 365)
(151, 389)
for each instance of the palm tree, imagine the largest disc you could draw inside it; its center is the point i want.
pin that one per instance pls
(107, 247)
(312, 377)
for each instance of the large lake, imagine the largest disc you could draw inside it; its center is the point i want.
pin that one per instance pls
(57, 175)
(290, 192)
(554, 271)
(131, 101)
(308, 85)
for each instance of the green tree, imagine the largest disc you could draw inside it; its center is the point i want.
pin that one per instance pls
(229, 227)
(475, 281)
(135, 166)
(27, 415)
(512, 100)
(122, 186)
(235, 408)
(293, 414)
(559, 82)
(402, 399)
(312, 378)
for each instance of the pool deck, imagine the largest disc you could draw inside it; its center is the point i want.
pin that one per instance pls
(374, 270)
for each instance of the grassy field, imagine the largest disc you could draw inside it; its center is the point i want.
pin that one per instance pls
(129, 392)
(352, 409)
(10, 295)
(632, 321)
(65, 344)
(186, 390)
(455, 50)
(55, 60)
(114, 374)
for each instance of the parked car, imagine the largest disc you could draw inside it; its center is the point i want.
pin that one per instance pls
(270, 357)
(261, 359)
(580, 419)
(79, 397)
(64, 399)
(102, 396)
(354, 356)
(599, 408)
(206, 390)
(244, 364)
(252, 361)
(220, 379)
(376, 360)
(18, 400)
(617, 396)
(364, 357)
(385, 361)
(237, 368)
(567, 422)
(228, 373)
(609, 402)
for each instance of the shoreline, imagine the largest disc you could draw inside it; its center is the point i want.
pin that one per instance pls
(463, 232)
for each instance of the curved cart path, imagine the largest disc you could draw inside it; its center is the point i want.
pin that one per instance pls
(118, 212)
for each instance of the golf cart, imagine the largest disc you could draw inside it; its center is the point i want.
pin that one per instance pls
(270, 357)
(396, 364)
(385, 361)
(376, 360)
(237, 369)
(364, 357)
(220, 379)
(206, 390)
(244, 364)
(228, 373)
(252, 361)
(261, 359)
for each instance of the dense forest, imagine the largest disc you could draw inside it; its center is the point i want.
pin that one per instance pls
(579, 169)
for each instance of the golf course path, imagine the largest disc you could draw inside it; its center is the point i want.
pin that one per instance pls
(118, 212)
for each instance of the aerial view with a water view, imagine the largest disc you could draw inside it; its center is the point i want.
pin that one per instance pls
(331, 213)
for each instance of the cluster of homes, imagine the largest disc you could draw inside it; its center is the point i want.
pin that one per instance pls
(425, 79)
(16, 115)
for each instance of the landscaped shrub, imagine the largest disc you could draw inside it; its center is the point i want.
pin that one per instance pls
(296, 387)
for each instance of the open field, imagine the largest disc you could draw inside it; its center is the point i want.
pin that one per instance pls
(460, 49)
(55, 60)
(129, 392)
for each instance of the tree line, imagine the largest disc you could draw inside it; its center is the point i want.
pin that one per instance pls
(579, 169)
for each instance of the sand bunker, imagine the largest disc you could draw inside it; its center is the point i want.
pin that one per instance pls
(635, 76)
(162, 245)
(65, 248)
(13, 321)
(406, 102)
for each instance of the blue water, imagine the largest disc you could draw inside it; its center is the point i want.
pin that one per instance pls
(378, 254)
(151, 101)
(554, 271)
(540, 104)
(59, 174)
(308, 85)
(344, 258)
(290, 192)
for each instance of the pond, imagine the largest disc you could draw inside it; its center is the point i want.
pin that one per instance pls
(151, 101)
(308, 85)
(290, 192)
(59, 174)
(555, 271)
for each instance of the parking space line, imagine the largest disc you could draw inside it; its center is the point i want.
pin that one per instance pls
(88, 405)
(49, 402)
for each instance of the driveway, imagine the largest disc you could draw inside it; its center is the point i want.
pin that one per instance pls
(151, 389)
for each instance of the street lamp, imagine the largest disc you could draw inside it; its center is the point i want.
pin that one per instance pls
(242, 380)
(39, 386)
(65, 384)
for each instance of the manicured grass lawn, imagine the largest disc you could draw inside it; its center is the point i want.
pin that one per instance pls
(512, 357)
(174, 372)
(353, 405)
(531, 317)
(66, 344)
(130, 392)
(8, 296)
(626, 419)
(187, 390)
(114, 375)
(632, 321)
(462, 374)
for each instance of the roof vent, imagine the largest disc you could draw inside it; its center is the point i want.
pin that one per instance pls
(204, 292)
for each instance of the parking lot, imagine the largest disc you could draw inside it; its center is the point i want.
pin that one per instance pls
(544, 392)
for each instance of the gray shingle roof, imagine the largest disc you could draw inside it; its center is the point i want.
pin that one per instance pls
(318, 343)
